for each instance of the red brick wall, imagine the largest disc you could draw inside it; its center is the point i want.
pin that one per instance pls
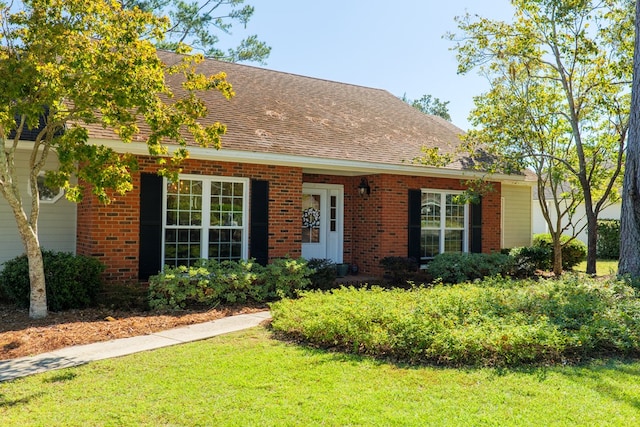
(375, 226)
(111, 233)
(381, 224)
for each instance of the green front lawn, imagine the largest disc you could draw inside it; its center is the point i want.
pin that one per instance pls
(249, 379)
(604, 267)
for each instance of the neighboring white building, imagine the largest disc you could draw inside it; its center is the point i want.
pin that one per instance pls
(540, 225)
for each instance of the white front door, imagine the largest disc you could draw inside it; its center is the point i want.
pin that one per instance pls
(322, 221)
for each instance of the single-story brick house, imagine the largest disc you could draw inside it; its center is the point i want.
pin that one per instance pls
(309, 168)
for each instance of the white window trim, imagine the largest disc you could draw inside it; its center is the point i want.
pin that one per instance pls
(443, 199)
(46, 201)
(206, 212)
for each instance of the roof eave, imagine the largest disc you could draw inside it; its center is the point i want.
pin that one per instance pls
(317, 165)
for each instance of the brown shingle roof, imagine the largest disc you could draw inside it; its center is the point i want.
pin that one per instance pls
(281, 113)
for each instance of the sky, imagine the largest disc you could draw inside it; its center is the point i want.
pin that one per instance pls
(394, 45)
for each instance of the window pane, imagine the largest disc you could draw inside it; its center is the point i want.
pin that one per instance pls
(172, 202)
(227, 204)
(310, 218)
(225, 244)
(196, 187)
(430, 210)
(237, 217)
(47, 193)
(238, 189)
(455, 213)
(184, 218)
(237, 204)
(172, 218)
(184, 203)
(453, 240)
(216, 187)
(430, 243)
(182, 247)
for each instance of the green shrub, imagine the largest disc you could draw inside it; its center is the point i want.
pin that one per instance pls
(284, 277)
(72, 281)
(212, 282)
(608, 240)
(573, 253)
(208, 283)
(463, 267)
(398, 270)
(528, 259)
(496, 322)
(324, 274)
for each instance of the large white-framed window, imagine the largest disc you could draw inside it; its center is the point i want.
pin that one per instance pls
(205, 217)
(444, 223)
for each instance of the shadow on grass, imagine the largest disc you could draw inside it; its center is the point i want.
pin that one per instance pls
(605, 376)
(8, 403)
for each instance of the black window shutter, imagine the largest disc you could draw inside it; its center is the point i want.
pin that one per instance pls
(259, 228)
(476, 227)
(149, 262)
(415, 229)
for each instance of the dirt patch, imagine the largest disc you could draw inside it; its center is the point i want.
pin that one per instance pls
(21, 336)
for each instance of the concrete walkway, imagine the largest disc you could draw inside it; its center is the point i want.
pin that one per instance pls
(81, 354)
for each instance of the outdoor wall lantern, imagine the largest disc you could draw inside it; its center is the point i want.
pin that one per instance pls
(364, 188)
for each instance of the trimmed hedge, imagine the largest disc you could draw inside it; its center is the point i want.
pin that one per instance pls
(464, 267)
(324, 274)
(528, 259)
(608, 240)
(72, 281)
(403, 272)
(573, 253)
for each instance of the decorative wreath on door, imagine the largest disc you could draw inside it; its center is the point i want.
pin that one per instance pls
(311, 218)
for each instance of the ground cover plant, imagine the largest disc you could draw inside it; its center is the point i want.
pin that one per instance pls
(495, 322)
(250, 379)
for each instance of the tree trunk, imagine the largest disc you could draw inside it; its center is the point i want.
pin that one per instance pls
(557, 255)
(630, 215)
(38, 300)
(592, 239)
(29, 235)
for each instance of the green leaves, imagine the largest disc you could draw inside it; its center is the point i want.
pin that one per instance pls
(559, 98)
(78, 62)
(492, 322)
(200, 25)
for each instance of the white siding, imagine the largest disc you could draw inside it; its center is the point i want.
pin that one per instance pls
(540, 225)
(57, 224)
(517, 216)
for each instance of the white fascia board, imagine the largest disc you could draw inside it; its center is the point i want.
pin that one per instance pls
(318, 165)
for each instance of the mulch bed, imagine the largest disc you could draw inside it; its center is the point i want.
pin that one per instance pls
(22, 336)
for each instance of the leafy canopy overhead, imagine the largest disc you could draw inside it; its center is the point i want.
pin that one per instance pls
(429, 105)
(65, 64)
(200, 25)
